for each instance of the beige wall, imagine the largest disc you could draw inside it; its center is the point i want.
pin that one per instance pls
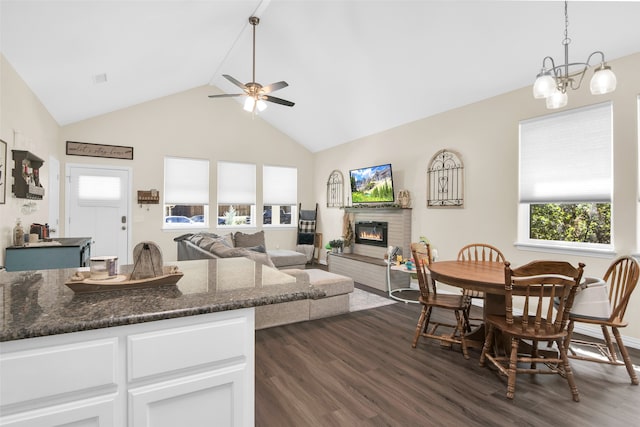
(189, 124)
(24, 125)
(486, 136)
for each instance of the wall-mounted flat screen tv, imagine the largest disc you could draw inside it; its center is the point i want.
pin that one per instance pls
(373, 184)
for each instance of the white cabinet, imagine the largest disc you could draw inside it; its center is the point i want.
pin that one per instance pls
(195, 371)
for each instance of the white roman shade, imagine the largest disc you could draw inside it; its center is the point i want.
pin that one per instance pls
(280, 185)
(186, 181)
(567, 157)
(236, 183)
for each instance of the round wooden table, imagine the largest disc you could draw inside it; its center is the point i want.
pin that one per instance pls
(483, 276)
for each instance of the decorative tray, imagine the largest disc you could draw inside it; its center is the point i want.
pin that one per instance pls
(82, 282)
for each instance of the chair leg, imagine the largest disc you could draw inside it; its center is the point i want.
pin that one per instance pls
(488, 343)
(567, 339)
(613, 356)
(419, 326)
(460, 331)
(512, 371)
(625, 357)
(534, 353)
(568, 373)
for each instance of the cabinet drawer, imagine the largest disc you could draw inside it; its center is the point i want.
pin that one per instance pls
(47, 372)
(187, 347)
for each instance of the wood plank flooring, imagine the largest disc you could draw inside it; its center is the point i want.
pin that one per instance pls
(359, 369)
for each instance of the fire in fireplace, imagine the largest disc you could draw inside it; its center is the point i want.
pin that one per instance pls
(371, 233)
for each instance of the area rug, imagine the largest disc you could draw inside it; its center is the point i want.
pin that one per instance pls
(363, 300)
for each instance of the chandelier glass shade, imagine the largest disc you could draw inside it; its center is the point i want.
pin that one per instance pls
(553, 81)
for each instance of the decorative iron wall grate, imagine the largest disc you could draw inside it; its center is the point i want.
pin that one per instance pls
(335, 186)
(445, 180)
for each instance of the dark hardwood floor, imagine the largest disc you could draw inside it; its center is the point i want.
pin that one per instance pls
(359, 369)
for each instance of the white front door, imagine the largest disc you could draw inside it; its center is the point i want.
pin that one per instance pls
(97, 206)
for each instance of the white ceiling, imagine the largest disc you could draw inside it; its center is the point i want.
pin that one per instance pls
(354, 68)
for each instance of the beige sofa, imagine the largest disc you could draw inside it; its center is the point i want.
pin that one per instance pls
(334, 290)
(209, 245)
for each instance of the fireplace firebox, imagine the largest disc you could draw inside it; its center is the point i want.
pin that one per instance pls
(371, 233)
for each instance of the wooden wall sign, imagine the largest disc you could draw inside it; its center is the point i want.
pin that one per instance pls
(99, 150)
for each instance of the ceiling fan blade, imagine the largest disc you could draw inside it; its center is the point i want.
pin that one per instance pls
(278, 100)
(235, 82)
(274, 86)
(226, 95)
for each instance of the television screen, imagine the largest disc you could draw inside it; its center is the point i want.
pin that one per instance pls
(373, 184)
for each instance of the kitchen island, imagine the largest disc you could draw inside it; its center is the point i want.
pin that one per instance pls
(170, 355)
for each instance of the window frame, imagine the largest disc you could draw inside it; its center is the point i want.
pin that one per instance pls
(524, 241)
(289, 198)
(252, 205)
(172, 226)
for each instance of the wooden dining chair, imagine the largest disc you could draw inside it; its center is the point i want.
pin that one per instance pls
(621, 278)
(478, 252)
(537, 285)
(430, 299)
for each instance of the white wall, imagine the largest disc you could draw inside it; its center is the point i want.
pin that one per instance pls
(486, 136)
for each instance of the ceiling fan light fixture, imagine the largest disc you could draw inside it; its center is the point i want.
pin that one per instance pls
(249, 103)
(256, 93)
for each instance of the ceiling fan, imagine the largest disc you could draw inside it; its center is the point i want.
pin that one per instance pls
(256, 93)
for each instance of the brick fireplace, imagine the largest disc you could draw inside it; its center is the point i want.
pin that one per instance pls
(366, 265)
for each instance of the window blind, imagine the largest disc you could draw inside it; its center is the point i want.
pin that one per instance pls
(279, 185)
(186, 181)
(236, 183)
(567, 157)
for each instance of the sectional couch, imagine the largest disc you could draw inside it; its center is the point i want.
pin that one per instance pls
(333, 298)
(210, 245)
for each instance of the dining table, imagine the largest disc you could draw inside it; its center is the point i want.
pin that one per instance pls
(484, 276)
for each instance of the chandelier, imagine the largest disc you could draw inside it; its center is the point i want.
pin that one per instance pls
(553, 80)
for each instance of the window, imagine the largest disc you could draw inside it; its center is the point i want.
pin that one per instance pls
(566, 179)
(236, 194)
(186, 193)
(279, 195)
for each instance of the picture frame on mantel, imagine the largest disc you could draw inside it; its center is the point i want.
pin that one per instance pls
(3, 172)
(99, 150)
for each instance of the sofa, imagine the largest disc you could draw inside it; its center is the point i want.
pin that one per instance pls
(210, 245)
(331, 299)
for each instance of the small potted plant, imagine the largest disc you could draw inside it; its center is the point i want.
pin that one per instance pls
(336, 245)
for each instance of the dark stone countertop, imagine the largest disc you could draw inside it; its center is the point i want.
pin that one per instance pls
(38, 303)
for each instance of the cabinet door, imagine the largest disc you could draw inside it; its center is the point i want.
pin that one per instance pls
(217, 398)
(98, 412)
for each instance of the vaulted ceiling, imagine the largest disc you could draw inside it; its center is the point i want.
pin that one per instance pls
(354, 68)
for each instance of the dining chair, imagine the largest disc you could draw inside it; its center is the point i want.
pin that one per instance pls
(478, 252)
(430, 299)
(621, 278)
(535, 285)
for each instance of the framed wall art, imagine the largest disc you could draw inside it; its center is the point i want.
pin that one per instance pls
(99, 150)
(4, 168)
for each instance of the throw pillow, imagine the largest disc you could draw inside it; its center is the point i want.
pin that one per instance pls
(307, 226)
(243, 240)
